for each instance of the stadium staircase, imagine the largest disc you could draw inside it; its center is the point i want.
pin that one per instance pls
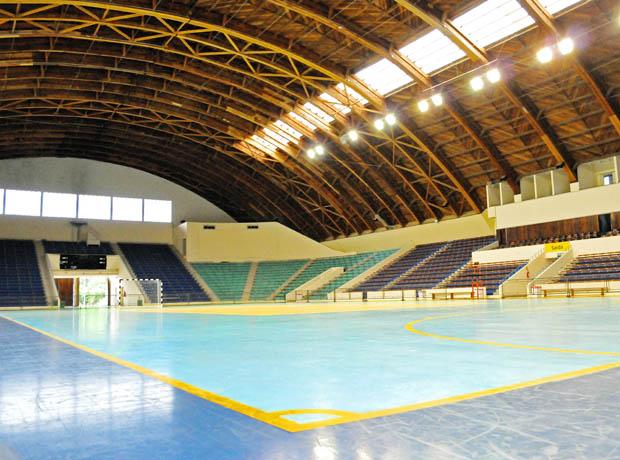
(272, 277)
(47, 275)
(21, 284)
(419, 263)
(249, 283)
(363, 264)
(490, 275)
(227, 279)
(158, 261)
(434, 270)
(190, 268)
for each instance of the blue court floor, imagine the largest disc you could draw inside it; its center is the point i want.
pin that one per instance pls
(346, 384)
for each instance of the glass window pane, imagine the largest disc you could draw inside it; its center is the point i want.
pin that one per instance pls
(555, 6)
(384, 77)
(127, 209)
(432, 51)
(157, 211)
(493, 20)
(94, 207)
(23, 203)
(59, 204)
(1, 201)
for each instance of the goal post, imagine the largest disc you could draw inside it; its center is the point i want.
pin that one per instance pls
(135, 292)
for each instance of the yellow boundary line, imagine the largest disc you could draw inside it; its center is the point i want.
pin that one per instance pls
(411, 328)
(277, 418)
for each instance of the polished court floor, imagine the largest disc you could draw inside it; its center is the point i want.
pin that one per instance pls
(511, 379)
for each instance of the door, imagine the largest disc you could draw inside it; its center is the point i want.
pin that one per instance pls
(65, 290)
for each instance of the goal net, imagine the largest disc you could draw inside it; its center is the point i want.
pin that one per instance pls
(139, 293)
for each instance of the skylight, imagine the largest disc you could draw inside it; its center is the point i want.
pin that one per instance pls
(277, 137)
(555, 6)
(432, 51)
(384, 77)
(302, 121)
(343, 109)
(493, 20)
(320, 114)
(263, 145)
(289, 130)
(353, 95)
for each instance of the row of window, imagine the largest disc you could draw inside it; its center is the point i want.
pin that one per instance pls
(69, 205)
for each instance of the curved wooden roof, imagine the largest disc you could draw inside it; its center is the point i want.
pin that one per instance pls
(178, 88)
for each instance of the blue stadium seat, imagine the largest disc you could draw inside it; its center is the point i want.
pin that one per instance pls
(158, 261)
(20, 279)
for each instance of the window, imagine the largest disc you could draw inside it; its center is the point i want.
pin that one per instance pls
(22, 203)
(493, 20)
(331, 100)
(353, 95)
(272, 135)
(432, 51)
(129, 209)
(555, 6)
(318, 113)
(263, 144)
(608, 179)
(302, 120)
(291, 132)
(1, 201)
(59, 204)
(94, 207)
(157, 211)
(384, 77)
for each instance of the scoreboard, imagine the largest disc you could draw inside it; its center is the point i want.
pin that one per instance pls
(83, 262)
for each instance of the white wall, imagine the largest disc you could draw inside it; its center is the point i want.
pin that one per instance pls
(46, 228)
(453, 229)
(74, 175)
(598, 200)
(236, 243)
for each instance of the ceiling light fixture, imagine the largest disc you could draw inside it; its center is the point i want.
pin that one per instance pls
(544, 55)
(494, 75)
(353, 135)
(477, 83)
(566, 46)
(437, 99)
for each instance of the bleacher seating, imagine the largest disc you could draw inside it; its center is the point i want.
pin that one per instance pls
(446, 261)
(270, 275)
(226, 279)
(318, 266)
(397, 268)
(74, 247)
(366, 261)
(158, 261)
(559, 238)
(490, 275)
(593, 267)
(20, 278)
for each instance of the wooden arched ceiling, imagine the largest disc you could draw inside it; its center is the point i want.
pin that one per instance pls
(176, 88)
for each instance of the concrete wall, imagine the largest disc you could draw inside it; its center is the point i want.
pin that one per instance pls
(237, 243)
(464, 227)
(44, 228)
(506, 254)
(72, 175)
(598, 200)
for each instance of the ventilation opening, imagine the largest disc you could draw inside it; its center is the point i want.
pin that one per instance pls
(252, 227)
(208, 227)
